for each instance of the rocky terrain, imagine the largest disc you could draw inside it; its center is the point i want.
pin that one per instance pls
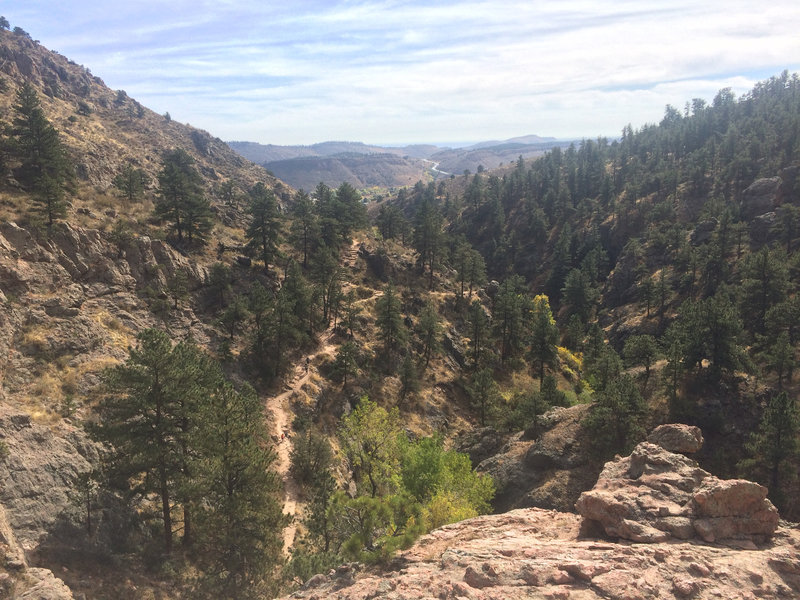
(105, 129)
(735, 549)
(69, 307)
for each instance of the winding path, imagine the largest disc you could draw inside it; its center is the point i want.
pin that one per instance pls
(281, 416)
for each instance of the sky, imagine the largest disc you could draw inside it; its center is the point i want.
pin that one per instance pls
(419, 71)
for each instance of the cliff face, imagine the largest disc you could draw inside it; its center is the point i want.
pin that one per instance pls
(535, 553)
(70, 305)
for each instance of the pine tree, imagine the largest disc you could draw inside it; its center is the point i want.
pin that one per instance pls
(484, 393)
(774, 450)
(409, 377)
(429, 332)
(616, 418)
(511, 308)
(180, 197)
(240, 515)
(478, 332)
(389, 319)
(145, 417)
(263, 232)
(345, 365)
(44, 167)
(304, 231)
(544, 335)
(641, 350)
(130, 182)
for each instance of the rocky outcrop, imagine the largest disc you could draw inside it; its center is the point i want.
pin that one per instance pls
(656, 495)
(538, 554)
(39, 472)
(685, 439)
(544, 554)
(547, 467)
(71, 303)
(760, 197)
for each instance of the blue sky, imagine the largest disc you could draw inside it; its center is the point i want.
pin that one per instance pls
(393, 72)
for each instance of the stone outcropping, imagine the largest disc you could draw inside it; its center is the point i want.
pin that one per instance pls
(544, 554)
(539, 554)
(657, 495)
(545, 468)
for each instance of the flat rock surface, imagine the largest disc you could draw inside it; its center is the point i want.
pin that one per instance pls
(536, 553)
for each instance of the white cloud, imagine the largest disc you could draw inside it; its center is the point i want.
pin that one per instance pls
(396, 71)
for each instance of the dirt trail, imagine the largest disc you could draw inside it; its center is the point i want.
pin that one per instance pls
(278, 407)
(282, 415)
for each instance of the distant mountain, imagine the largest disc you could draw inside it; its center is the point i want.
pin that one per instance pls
(364, 165)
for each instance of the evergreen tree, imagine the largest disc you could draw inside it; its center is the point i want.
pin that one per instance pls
(765, 279)
(578, 294)
(304, 232)
(146, 415)
(616, 418)
(389, 319)
(240, 514)
(544, 336)
(429, 332)
(478, 332)
(511, 307)
(641, 350)
(130, 182)
(180, 197)
(263, 232)
(774, 450)
(476, 271)
(711, 330)
(484, 393)
(345, 365)
(44, 167)
(409, 377)
(428, 237)
(779, 358)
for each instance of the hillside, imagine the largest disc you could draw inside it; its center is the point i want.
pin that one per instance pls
(374, 170)
(105, 129)
(365, 166)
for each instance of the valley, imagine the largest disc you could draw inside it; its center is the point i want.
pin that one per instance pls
(235, 370)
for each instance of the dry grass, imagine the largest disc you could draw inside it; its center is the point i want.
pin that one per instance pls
(119, 336)
(35, 338)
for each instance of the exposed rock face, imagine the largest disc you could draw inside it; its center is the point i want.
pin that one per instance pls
(760, 197)
(549, 471)
(534, 553)
(70, 305)
(655, 495)
(38, 473)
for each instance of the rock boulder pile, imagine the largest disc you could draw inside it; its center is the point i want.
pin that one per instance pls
(657, 494)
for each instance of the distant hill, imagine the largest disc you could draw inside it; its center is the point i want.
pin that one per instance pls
(364, 165)
(361, 171)
(490, 155)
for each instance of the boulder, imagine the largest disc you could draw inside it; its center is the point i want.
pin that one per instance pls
(655, 495)
(760, 197)
(702, 233)
(762, 226)
(685, 439)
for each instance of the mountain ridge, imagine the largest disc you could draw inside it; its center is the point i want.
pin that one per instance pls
(364, 170)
